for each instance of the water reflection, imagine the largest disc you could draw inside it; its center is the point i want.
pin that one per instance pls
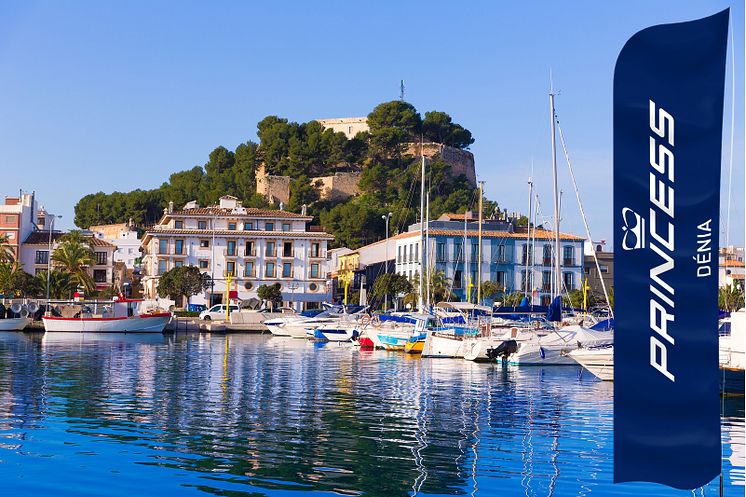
(251, 415)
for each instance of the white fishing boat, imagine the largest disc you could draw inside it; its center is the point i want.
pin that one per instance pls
(115, 316)
(17, 316)
(14, 324)
(598, 360)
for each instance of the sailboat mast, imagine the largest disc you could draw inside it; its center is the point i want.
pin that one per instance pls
(467, 273)
(421, 303)
(529, 251)
(556, 291)
(479, 247)
(427, 245)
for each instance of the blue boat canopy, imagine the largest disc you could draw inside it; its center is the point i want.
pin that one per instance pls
(555, 310)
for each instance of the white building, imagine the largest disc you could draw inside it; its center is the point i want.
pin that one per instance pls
(731, 266)
(253, 246)
(126, 239)
(35, 256)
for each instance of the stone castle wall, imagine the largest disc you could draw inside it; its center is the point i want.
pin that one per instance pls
(339, 186)
(461, 161)
(275, 188)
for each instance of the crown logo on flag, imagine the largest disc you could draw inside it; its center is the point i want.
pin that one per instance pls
(634, 230)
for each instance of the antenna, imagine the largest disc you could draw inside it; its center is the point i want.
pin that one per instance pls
(401, 90)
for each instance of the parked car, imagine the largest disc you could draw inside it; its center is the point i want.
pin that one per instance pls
(217, 312)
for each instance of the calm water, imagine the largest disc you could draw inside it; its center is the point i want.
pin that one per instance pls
(256, 415)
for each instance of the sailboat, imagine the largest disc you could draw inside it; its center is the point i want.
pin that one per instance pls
(554, 347)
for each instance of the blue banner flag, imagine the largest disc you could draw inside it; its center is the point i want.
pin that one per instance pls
(668, 115)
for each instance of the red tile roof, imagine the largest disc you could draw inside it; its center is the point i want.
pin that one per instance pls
(237, 234)
(539, 234)
(250, 212)
(42, 238)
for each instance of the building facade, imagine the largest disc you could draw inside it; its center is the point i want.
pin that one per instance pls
(253, 247)
(35, 255)
(126, 239)
(18, 219)
(731, 266)
(605, 264)
(511, 257)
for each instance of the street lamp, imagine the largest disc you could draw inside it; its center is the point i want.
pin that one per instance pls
(49, 255)
(386, 262)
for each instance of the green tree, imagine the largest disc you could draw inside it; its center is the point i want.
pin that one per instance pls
(438, 127)
(180, 281)
(513, 299)
(15, 282)
(390, 285)
(74, 256)
(271, 294)
(61, 285)
(6, 251)
(490, 289)
(730, 298)
(392, 124)
(440, 288)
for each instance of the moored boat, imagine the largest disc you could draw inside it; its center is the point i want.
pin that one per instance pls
(116, 316)
(598, 360)
(732, 340)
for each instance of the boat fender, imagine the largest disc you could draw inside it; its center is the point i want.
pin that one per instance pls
(376, 321)
(32, 307)
(365, 320)
(16, 308)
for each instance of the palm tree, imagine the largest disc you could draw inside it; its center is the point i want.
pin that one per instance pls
(74, 257)
(61, 285)
(440, 288)
(8, 275)
(730, 298)
(6, 251)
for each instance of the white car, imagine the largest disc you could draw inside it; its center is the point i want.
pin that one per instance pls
(217, 312)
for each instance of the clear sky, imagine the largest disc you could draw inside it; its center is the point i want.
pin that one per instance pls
(102, 97)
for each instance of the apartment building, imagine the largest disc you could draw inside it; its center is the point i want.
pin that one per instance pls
(251, 246)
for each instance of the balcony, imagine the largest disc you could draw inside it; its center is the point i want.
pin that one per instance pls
(547, 261)
(249, 253)
(568, 262)
(230, 253)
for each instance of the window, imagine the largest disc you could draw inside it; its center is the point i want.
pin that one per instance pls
(179, 225)
(162, 246)
(500, 279)
(526, 255)
(204, 244)
(398, 254)
(604, 268)
(526, 275)
(42, 257)
(230, 268)
(101, 258)
(202, 225)
(285, 226)
(546, 281)
(10, 219)
(162, 267)
(204, 263)
(547, 255)
(569, 280)
(287, 270)
(440, 252)
(269, 249)
(179, 247)
(99, 275)
(315, 250)
(458, 279)
(269, 270)
(248, 226)
(249, 270)
(10, 235)
(501, 253)
(458, 249)
(411, 253)
(231, 248)
(416, 252)
(568, 256)
(232, 226)
(178, 263)
(314, 270)
(249, 250)
(287, 249)
(269, 226)
(475, 252)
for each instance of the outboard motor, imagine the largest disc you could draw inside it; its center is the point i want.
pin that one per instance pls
(503, 350)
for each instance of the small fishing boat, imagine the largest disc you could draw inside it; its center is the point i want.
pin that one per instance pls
(115, 316)
(17, 316)
(415, 344)
(598, 360)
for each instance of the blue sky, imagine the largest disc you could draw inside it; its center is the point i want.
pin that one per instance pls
(103, 97)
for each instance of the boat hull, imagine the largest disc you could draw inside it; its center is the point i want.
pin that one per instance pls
(731, 381)
(332, 334)
(414, 347)
(14, 324)
(600, 362)
(476, 349)
(147, 323)
(443, 346)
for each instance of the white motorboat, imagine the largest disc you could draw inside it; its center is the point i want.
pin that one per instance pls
(554, 347)
(598, 360)
(116, 316)
(334, 333)
(486, 346)
(732, 341)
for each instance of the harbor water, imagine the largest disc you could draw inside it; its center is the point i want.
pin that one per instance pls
(250, 415)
